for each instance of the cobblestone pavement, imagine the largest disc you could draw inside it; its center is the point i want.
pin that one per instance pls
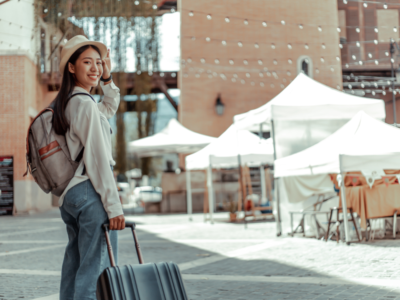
(220, 261)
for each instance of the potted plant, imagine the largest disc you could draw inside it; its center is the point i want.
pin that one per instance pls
(231, 206)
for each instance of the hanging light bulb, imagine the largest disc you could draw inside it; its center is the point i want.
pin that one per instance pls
(208, 39)
(383, 93)
(197, 75)
(233, 79)
(189, 60)
(190, 13)
(358, 30)
(245, 22)
(265, 69)
(248, 75)
(337, 58)
(235, 75)
(332, 69)
(223, 43)
(275, 62)
(322, 59)
(264, 24)
(246, 62)
(385, 6)
(273, 46)
(300, 26)
(392, 60)
(256, 46)
(260, 62)
(203, 61)
(227, 20)
(346, 65)
(362, 85)
(317, 71)
(289, 46)
(231, 62)
(209, 17)
(376, 42)
(283, 22)
(349, 86)
(358, 44)
(282, 86)
(340, 46)
(323, 46)
(268, 74)
(338, 87)
(289, 61)
(172, 10)
(139, 72)
(155, 7)
(216, 61)
(376, 29)
(46, 10)
(319, 28)
(288, 73)
(376, 62)
(387, 53)
(360, 62)
(59, 14)
(262, 84)
(306, 46)
(344, 1)
(137, 3)
(240, 44)
(395, 29)
(242, 81)
(353, 57)
(373, 93)
(370, 55)
(338, 29)
(261, 74)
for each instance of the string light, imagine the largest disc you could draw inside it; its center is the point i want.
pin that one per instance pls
(190, 13)
(208, 39)
(240, 44)
(260, 62)
(358, 30)
(300, 26)
(231, 62)
(227, 20)
(319, 28)
(338, 29)
(256, 45)
(273, 46)
(209, 17)
(283, 22)
(385, 6)
(223, 43)
(306, 46)
(289, 46)
(264, 24)
(245, 22)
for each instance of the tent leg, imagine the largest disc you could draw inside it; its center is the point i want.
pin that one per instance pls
(189, 195)
(344, 206)
(210, 193)
(263, 186)
(277, 202)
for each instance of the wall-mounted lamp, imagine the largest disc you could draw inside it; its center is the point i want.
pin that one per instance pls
(219, 106)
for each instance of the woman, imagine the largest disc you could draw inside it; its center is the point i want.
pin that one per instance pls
(91, 198)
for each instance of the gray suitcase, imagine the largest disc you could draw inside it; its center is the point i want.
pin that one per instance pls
(151, 281)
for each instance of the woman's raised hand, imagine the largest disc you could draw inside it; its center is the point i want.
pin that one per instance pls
(106, 65)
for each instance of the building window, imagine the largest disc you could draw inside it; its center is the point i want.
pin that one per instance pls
(304, 65)
(388, 23)
(42, 51)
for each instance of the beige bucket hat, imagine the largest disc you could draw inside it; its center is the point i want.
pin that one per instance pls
(74, 44)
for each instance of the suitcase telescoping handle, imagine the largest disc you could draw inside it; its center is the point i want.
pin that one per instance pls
(110, 251)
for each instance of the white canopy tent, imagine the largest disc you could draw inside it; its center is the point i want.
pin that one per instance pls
(226, 152)
(303, 114)
(363, 144)
(174, 138)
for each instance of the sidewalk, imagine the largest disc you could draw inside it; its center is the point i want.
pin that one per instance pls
(220, 261)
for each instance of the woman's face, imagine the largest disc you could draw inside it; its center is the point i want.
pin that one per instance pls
(88, 69)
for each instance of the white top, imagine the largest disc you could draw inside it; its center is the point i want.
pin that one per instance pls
(89, 128)
(307, 99)
(224, 151)
(174, 138)
(362, 144)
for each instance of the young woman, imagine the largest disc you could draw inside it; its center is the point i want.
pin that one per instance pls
(91, 198)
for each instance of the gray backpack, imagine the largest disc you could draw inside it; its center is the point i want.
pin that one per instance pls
(47, 155)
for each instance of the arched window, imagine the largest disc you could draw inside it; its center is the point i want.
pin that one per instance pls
(304, 65)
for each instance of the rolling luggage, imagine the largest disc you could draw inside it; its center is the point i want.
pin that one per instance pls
(151, 281)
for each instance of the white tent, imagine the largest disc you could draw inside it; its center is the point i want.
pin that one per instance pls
(174, 138)
(225, 152)
(303, 114)
(363, 144)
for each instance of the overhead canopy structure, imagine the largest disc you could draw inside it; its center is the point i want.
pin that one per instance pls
(364, 143)
(174, 138)
(223, 152)
(307, 99)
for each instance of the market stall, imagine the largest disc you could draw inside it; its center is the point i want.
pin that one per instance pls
(232, 149)
(174, 138)
(302, 115)
(364, 145)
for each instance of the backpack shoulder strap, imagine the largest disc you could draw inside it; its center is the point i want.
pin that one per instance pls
(82, 94)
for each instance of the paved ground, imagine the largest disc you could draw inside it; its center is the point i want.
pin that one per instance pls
(220, 261)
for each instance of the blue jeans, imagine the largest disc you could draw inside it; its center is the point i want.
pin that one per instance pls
(86, 255)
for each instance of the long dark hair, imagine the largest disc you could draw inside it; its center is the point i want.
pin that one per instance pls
(60, 123)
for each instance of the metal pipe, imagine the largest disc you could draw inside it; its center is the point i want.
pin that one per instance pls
(344, 203)
(278, 210)
(393, 91)
(189, 194)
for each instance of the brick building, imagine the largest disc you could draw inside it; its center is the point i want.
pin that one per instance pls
(247, 52)
(24, 47)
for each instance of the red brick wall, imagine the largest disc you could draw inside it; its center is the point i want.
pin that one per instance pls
(198, 95)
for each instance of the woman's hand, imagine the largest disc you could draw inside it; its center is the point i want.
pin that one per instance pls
(117, 223)
(106, 62)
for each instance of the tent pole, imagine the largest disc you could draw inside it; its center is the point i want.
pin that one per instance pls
(243, 189)
(189, 194)
(263, 185)
(344, 204)
(278, 210)
(210, 192)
